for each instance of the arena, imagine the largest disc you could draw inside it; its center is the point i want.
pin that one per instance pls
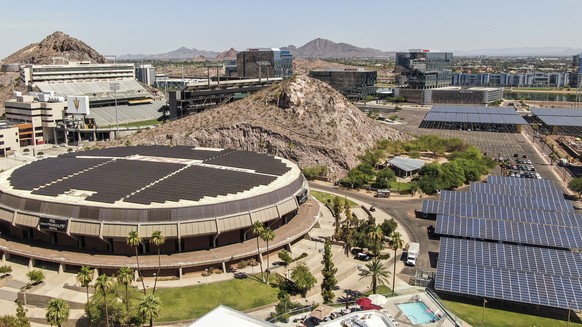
(78, 208)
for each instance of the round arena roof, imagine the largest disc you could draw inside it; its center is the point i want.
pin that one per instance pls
(150, 184)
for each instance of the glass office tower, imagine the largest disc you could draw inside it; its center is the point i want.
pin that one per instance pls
(422, 69)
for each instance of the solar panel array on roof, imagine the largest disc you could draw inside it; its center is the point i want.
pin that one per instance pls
(541, 192)
(530, 202)
(182, 152)
(510, 272)
(532, 182)
(112, 181)
(250, 160)
(532, 230)
(196, 182)
(565, 112)
(510, 231)
(482, 118)
(561, 120)
(474, 114)
(474, 110)
(48, 170)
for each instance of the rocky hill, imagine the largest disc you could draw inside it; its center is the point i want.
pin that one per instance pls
(301, 119)
(57, 44)
(322, 48)
(229, 54)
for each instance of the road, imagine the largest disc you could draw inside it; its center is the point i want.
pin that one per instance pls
(402, 210)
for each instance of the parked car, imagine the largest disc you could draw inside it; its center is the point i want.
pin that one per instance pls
(363, 256)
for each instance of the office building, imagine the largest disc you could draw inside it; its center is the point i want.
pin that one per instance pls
(264, 63)
(532, 79)
(145, 74)
(351, 83)
(30, 75)
(422, 69)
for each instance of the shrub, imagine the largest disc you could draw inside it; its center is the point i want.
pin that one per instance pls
(285, 256)
(26, 150)
(35, 276)
(40, 153)
(6, 269)
(242, 264)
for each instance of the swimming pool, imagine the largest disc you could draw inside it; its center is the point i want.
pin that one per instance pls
(417, 312)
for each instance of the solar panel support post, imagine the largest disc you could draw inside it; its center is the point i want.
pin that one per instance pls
(483, 312)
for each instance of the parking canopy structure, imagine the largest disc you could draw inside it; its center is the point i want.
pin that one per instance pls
(473, 118)
(405, 167)
(559, 121)
(515, 240)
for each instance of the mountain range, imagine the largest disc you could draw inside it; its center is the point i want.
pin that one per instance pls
(519, 52)
(318, 48)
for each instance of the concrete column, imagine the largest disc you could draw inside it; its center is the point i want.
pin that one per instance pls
(31, 263)
(95, 273)
(224, 267)
(288, 247)
(136, 275)
(62, 268)
(260, 255)
(180, 273)
(5, 256)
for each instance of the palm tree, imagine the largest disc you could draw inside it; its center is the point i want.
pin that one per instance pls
(158, 239)
(125, 276)
(257, 229)
(134, 240)
(149, 307)
(102, 284)
(376, 270)
(268, 235)
(396, 243)
(57, 312)
(376, 234)
(84, 278)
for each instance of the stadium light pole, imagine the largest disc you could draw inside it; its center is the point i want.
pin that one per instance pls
(114, 87)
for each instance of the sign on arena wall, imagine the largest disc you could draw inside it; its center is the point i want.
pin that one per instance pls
(52, 224)
(78, 105)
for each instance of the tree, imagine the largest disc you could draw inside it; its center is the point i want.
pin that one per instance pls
(384, 177)
(329, 270)
(267, 235)
(134, 240)
(57, 312)
(337, 209)
(84, 278)
(102, 284)
(125, 277)
(9, 321)
(21, 317)
(158, 239)
(303, 278)
(576, 185)
(257, 229)
(375, 233)
(149, 307)
(396, 243)
(35, 276)
(377, 272)
(285, 256)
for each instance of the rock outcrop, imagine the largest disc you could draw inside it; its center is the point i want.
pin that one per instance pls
(57, 44)
(301, 119)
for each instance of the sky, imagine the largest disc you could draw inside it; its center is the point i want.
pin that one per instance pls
(149, 27)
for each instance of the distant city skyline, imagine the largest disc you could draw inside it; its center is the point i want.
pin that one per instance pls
(152, 27)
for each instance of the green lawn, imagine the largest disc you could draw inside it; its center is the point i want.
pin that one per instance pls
(324, 196)
(399, 186)
(194, 301)
(494, 317)
(382, 290)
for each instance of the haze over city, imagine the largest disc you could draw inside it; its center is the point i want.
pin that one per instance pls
(124, 27)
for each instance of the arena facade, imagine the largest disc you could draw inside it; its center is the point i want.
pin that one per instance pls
(77, 209)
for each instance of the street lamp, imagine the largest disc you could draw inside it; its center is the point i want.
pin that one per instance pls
(114, 87)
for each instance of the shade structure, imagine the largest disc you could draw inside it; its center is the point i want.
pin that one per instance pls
(363, 301)
(321, 312)
(378, 299)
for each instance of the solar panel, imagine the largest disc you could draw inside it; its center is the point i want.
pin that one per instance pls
(473, 110)
(516, 190)
(565, 112)
(532, 182)
(483, 118)
(510, 231)
(561, 120)
(529, 202)
(261, 163)
(510, 272)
